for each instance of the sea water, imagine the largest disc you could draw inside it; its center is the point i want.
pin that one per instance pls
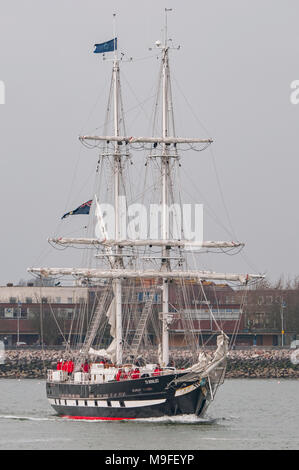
(246, 414)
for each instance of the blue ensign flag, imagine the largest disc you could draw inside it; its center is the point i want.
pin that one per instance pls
(83, 209)
(107, 46)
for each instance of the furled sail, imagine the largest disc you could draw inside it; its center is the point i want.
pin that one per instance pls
(222, 347)
(204, 366)
(108, 353)
(111, 315)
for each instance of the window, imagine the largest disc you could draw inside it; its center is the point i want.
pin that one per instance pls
(69, 314)
(69, 300)
(143, 296)
(28, 300)
(12, 300)
(44, 300)
(8, 312)
(58, 300)
(17, 313)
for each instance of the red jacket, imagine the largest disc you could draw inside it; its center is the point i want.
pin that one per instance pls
(135, 374)
(117, 377)
(121, 375)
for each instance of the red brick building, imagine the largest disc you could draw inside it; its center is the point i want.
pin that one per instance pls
(27, 313)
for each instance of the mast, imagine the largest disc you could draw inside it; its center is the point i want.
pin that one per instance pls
(165, 215)
(117, 172)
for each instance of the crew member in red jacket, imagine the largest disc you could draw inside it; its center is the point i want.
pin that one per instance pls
(121, 375)
(136, 373)
(157, 371)
(70, 367)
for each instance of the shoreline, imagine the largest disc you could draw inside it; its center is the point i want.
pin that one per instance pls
(256, 363)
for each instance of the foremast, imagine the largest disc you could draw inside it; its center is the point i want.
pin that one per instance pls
(165, 261)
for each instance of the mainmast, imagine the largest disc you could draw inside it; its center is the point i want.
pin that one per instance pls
(117, 287)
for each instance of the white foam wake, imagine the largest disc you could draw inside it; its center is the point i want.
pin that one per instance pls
(182, 419)
(27, 418)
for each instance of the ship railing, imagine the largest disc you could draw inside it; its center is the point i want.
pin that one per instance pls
(91, 378)
(57, 375)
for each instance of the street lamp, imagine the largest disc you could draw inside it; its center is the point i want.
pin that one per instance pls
(282, 306)
(18, 322)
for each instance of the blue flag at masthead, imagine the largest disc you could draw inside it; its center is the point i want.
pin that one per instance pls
(107, 46)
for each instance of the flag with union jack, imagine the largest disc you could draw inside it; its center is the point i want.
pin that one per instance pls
(83, 209)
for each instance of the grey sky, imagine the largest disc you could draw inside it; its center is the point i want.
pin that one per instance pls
(235, 66)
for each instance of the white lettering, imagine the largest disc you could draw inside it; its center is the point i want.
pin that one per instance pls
(175, 459)
(137, 226)
(197, 233)
(2, 92)
(184, 222)
(116, 460)
(294, 97)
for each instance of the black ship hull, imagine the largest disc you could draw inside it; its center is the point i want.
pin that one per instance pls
(129, 399)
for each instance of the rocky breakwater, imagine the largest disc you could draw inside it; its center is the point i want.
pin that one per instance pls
(28, 364)
(256, 363)
(253, 363)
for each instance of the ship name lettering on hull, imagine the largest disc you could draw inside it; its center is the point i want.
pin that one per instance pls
(154, 381)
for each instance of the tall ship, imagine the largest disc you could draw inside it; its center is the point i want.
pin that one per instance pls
(131, 374)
